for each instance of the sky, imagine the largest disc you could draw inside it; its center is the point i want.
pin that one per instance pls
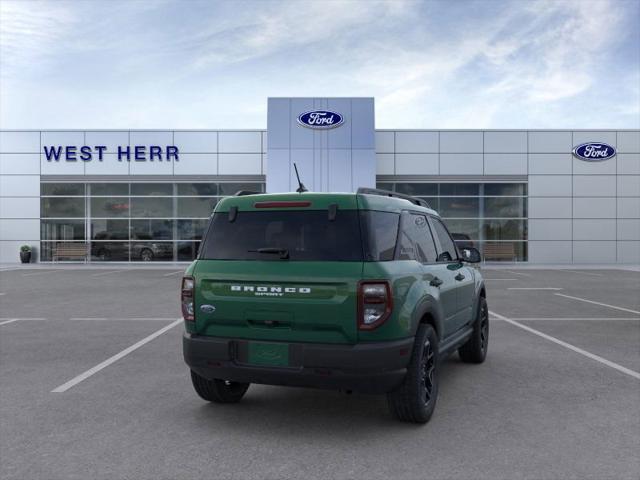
(190, 64)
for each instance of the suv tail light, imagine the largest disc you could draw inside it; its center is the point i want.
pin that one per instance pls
(375, 303)
(186, 298)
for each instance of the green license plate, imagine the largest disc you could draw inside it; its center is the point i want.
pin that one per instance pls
(271, 354)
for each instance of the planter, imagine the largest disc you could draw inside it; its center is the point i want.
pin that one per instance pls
(25, 257)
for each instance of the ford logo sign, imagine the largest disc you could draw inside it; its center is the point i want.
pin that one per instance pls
(594, 151)
(320, 119)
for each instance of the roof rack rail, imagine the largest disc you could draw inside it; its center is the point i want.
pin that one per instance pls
(242, 193)
(387, 193)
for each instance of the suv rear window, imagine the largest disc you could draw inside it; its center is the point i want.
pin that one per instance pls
(305, 236)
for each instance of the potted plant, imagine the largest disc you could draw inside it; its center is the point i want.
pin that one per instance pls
(25, 253)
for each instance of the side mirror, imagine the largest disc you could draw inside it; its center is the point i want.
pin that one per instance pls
(470, 255)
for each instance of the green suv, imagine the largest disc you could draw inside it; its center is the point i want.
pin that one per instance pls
(362, 292)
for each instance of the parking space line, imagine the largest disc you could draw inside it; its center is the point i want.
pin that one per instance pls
(11, 320)
(92, 371)
(597, 303)
(534, 288)
(518, 273)
(120, 319)
(577, 319)
(2, 293)
(39, 273)
(107, 273)
(172, 273)
(502, 279)
(573, 348)
(589, 274)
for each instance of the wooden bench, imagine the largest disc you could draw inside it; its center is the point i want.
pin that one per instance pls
(499, 251)
(71, 251)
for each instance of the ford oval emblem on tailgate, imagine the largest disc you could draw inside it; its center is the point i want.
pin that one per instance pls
(207, 308)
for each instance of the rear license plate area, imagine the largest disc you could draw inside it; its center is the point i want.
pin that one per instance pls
(268, 354)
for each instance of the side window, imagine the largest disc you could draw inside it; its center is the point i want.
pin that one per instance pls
(447, 247)
(416, 242)
(380, 230)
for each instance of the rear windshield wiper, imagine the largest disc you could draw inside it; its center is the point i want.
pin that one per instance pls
(283, 252)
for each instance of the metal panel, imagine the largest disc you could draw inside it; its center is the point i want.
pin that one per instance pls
(629, 207)
(278, 122)
(385, 164)
(20, 185)
(61, 167)
(628, 229)
(148, 167)
(597, 207)
(240, 142)
(552, 207)
(196, 163)
(19, 207)
(629, 142)
(19, 163)
(629, 163)
(340, 137)
(461, 142)
(155, 137)
(417, 142)
(550, 229)
(9, 250)
(385, 142)
(110, 165)
(339, 170)
(550, 142)
(417, 164)
(362, 123)
(461, 164)
(278, 162)
(594, 252)
(628, 252)
(629, 185)
(550, 163)
(505, 163)
(111, 140)
(19, 229)
(20, 142)
(549, 185)
(239, 163)
(555, 252)
(363, 174)
(606, 167)
(301, 137)
(52, 138)
(582, 136)
(196, 142)
(594, 185)
(594, 229)
(505, 142)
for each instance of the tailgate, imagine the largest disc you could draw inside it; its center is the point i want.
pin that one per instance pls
(278, 300)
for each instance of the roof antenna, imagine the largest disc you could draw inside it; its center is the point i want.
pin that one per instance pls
(301, 188)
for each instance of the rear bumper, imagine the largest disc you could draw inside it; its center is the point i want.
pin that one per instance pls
(368, 368)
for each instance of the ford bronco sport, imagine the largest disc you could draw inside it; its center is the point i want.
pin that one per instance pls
(361, 292)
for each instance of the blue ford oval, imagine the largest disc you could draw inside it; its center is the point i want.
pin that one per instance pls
(594, 151)
(320, 119)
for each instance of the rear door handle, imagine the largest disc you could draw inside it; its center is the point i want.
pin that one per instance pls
(459, 277)
(436, 282)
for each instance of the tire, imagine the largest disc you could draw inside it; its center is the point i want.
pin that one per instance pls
(146, 255)
(415, 400)
(218, 391)
(475, 350)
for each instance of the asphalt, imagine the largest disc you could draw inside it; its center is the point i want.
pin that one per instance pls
(545, 405)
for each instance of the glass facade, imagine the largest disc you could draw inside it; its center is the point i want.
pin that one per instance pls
(489, 216)
(130, 221)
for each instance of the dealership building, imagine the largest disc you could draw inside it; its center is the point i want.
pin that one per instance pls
(537, 196)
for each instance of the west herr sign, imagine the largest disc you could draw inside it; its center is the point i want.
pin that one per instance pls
(136, 153)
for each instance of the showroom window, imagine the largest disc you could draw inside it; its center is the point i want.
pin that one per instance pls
(489, 216)
(122, 221)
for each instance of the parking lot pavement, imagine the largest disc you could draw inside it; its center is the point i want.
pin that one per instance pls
(549, 402)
